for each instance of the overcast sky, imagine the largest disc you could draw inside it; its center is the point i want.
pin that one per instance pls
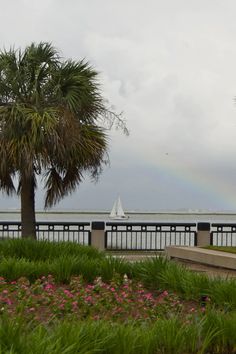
(170, 66)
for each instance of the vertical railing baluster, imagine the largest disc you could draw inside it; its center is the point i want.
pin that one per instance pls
(49, 231)
(134, 236)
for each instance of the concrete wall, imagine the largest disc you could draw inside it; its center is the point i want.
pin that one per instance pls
(199, 255)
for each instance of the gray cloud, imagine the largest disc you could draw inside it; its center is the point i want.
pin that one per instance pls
(170, 66)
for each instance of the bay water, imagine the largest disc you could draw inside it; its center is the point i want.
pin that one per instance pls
(135, 216)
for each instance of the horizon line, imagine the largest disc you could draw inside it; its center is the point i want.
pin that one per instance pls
(174, 212)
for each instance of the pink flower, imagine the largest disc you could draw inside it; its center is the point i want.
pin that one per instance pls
(90, 287)
(165, 293)
(8, 301)
(68, 293)
(49, 287)
(31, 309)
(148, 296)
(113, 290)
(118, 299)
(89, 299)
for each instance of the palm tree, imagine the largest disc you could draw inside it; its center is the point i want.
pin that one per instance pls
(50, 114)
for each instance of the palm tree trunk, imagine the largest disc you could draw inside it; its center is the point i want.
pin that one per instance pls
(28, 207)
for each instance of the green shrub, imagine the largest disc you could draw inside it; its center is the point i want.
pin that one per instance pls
(149, 271)
(225, 327)
(159, 273)
(111, 267)
(223, 293)
(44, 250)
(164, 337)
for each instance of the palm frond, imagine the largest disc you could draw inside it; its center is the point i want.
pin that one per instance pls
(50, 119)
(53, 186)
(7, 171)
(7, 184)
(58, 185)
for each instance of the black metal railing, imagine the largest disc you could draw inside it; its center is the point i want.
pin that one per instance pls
(148, 236)
(11, 229)
(126, 235)
(223, 235)
(79, 232)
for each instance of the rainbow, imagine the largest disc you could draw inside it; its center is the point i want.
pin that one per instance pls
(218, 191)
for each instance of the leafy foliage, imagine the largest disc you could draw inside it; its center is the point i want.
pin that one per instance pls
(44, 250)
(50, 111)
(52, 118)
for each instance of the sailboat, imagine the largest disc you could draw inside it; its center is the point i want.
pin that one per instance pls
(117, 211)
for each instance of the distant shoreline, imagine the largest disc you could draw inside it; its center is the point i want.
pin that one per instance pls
(89, 212)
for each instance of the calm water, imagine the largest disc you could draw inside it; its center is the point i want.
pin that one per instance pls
(133, 217)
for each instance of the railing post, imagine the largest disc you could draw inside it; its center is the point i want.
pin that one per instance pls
(203, 234)
(98, 235)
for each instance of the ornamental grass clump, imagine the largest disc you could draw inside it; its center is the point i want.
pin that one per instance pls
(14, 268)
(111, 267)
(44, 250)
(225, 326)
(223, 293)
(70, 336)
(34, 259)
(159, 273)
(62, 268)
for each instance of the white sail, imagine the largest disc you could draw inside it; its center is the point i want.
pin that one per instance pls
(117, 211)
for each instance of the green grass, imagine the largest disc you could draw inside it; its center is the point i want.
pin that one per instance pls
(159, 273)
(30, 259)
(214, 334)
(222, 249)
(44, 250)
(63, 268)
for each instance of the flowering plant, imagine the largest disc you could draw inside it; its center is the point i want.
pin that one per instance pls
(122, 300)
